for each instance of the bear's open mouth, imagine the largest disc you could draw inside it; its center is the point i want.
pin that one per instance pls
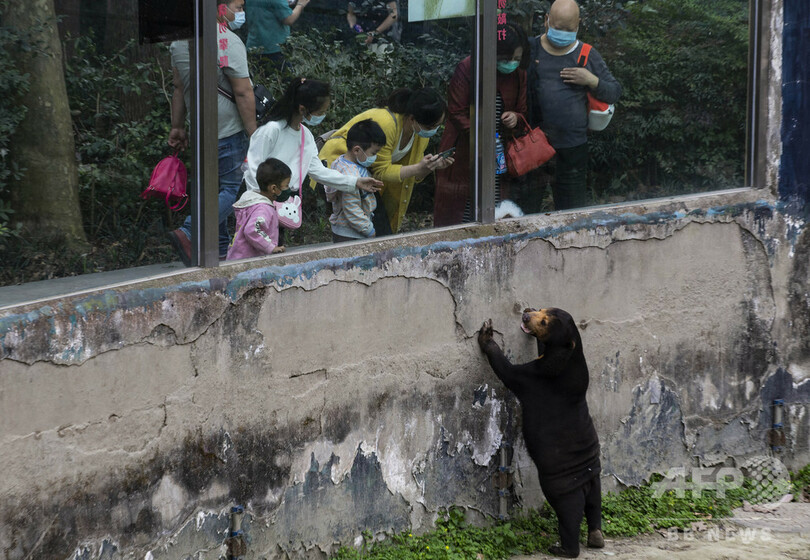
(525, 328)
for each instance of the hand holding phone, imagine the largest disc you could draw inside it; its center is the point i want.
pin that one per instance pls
(447, 153)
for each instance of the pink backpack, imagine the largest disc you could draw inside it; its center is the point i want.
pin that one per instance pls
(168, 182)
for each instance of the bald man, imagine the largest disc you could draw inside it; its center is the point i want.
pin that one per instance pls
(557, 90)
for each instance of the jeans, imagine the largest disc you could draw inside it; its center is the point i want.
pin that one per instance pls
(570, 189)
(231, 154)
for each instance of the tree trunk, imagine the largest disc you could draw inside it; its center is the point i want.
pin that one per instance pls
(46, 199)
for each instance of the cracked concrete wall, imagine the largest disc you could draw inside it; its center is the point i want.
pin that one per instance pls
(336, 392)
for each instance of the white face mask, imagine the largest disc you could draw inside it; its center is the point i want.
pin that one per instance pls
(238, 19)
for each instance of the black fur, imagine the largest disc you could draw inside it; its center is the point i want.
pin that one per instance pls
(557, 426)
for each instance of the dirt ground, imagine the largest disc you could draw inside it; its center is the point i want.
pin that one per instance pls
(783, 534)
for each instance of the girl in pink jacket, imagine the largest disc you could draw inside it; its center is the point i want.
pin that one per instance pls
(256, 217)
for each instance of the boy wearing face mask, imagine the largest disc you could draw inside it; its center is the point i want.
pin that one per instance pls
(352, 212)
(256, 216)
(558, 90)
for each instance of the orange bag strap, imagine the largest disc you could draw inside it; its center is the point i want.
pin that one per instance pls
(583, 55)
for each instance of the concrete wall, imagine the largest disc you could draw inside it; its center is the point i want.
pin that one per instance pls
(331, 395)
(335, 391)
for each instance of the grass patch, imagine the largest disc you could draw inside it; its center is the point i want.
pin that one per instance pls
(630, 512)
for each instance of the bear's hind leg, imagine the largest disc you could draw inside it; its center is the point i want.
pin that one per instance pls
(570, 509)
(593, 513)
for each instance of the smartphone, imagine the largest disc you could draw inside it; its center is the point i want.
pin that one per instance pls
(447, 153)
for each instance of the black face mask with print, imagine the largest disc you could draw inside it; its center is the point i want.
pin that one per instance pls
(284, 195)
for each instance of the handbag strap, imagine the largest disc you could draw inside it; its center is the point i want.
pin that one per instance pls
(582, 60)
(301, 166)
(226, 94)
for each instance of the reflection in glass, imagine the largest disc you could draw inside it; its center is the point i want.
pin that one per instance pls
(236, 119)
(368, 50)
(453, 202)
(679, 126)
(84, 121)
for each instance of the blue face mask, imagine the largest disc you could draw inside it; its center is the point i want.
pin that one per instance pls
(369, 160)
(560, 38)
(508, 67)
(427, 133)
(314, 120)
(238, 20)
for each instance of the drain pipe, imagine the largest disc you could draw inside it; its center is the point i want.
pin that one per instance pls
(777, 431)
(502, 482)
(236, 543)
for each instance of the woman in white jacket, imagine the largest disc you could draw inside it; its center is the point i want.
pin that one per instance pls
(286, 138)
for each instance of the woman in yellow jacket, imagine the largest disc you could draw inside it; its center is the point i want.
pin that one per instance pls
(410, 118)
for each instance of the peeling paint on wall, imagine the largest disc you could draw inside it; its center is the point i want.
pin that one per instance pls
(346, 394)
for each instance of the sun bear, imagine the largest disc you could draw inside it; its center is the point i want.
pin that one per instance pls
(557, 426)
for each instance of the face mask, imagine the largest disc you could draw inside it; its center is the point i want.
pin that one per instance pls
(369, 160)
(314, 120)
(560, 38)
(284, 195)
(427, 133)
(508, 67)
(238, 20)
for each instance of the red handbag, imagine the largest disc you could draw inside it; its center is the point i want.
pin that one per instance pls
(528, 152)
(168, 182)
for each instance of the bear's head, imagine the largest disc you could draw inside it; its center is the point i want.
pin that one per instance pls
(551, 327)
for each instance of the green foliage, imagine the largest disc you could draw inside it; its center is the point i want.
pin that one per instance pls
(455, 539)
(630, 512)
(120, 110)
(680, 124)
(800, 481)
(638, 510)
(14, 84)
(121, 121)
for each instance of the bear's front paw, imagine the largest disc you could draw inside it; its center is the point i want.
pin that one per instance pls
(485, 334)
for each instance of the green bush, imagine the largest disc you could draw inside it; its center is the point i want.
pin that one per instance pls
(455, 539)
(680, 124)
(633, 511)
(801, 483)
(121, 119)
(14, 84)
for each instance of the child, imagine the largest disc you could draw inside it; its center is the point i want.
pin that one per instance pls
(256, 217)
(352, 211)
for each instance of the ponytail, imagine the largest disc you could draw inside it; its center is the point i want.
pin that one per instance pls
(301, 91)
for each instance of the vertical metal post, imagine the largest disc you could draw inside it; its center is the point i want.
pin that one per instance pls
(483, 130)
(205, 211)
(758, 83)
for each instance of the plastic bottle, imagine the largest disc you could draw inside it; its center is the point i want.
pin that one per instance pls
(500, 157)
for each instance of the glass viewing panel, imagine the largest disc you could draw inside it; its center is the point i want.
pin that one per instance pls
(389, 61)
(87, 115)
(85, 119)
(676, 74)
